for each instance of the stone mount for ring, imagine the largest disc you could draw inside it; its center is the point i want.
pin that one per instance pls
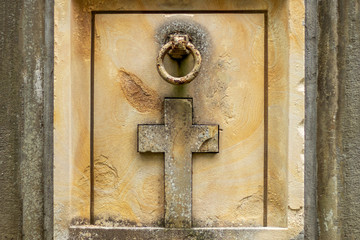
(178, 50)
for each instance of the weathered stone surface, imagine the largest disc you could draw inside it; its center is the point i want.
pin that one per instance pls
(97, 233)
(311, 67)
(36, 145)
(10, 121)
(26, 57)
(230, 94)
(326, 122)
(347, 111)
(130, 192)
(349, 119)
(178, 138)
(337, 146)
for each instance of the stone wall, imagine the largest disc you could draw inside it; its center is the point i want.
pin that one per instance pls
(332, 123)
(26, 56)
(311, 59)
(10, 120)
(348, 115)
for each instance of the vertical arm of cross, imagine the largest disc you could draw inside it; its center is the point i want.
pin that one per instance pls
(178, 164)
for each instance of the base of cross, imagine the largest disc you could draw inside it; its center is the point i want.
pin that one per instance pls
(178, 138)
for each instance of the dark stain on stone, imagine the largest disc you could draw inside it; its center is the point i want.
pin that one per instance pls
(198, 34)
(111, 221)
(158, 233)
(140, 96)
(80, 221)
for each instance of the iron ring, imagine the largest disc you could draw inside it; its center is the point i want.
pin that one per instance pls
(178, 80)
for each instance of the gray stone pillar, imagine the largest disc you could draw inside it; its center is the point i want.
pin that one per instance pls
(333, 50)
(26, 57)
(348, 116)
(10, 120)
(311, 63)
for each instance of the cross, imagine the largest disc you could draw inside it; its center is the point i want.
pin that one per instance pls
(178, 138)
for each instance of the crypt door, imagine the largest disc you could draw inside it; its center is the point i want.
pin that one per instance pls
(209, 158)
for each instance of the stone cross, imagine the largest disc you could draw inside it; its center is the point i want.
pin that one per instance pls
(178, 138)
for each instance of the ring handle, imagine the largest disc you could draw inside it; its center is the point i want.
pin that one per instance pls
(178, 80)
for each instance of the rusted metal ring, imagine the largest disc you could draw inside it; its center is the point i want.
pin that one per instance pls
(178, 80)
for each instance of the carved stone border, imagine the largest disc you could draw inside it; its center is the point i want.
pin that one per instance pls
(93, 232)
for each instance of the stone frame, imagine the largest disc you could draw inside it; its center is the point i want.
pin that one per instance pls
(77, 18)
(35, 20)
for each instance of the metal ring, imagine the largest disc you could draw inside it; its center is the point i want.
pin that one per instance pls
(178, 80)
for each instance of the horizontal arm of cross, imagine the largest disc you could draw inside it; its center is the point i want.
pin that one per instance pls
(205, 138)
(152, 138)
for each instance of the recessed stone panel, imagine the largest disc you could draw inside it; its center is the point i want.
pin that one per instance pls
(228, 186)
(250, 85)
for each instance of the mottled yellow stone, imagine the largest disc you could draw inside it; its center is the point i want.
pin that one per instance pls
(229, 91)
(228, 188)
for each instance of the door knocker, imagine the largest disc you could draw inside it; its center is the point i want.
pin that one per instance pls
(178, 47)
